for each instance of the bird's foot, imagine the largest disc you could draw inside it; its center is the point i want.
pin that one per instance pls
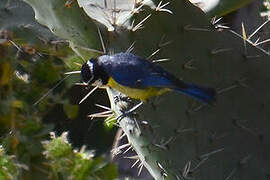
(120, 97)
(125, 113)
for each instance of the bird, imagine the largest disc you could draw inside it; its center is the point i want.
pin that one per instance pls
(139, 78)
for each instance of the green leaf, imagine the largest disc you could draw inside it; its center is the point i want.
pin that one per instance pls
(68, 23)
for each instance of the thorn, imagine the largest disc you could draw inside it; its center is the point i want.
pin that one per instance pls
(69, 3)
(244, 160)
(15, 45)
(238, 124)
(217, 26)
(140, 168)
(131, 47)
(160, 146)
(81, 84)
(101, 114)
(214, 20)
(181, 130)
(154, 53)
(240, 164)
(211, 153)
(177, 177)
(166, 143)
(132, 157)
(114, 12)
(83, 148)
(250, 42)
(136, 10)
(244, 35)
(236, 84)
(48, 92)
(257, 41)
(250, 36)
(117, 125)
(90, 50)
(231, 174)
(189, 65)
(103, 107)
(92, 116)
(162, 9)
(216, 51)
(262, 42)
(213, 137)
(26, 26)
(56, 42)
(186, 169)
(118, 149)
(189, 28)
(161, 60)
(196, 109)
(127, 149)
(140, 24)
(162, 169)
(72, 72)
(162, 44)
(102, 42)
(122, 136)
(87, 95)
(227, 89)
(199, 164)
(253, 56)
(135, 163)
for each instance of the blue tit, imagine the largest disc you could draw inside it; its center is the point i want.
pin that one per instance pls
(138, 78)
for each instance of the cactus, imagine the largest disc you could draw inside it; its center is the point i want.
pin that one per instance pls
(201, 140)
(178, 138)
(219, 8)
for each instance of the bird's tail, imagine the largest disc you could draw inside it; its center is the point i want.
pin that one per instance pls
(203, 94)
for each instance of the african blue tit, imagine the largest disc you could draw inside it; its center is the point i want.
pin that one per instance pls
(138, 78)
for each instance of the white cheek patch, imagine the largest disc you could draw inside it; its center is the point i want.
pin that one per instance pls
(91, 68)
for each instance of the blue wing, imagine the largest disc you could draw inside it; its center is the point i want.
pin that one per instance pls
(133, 71)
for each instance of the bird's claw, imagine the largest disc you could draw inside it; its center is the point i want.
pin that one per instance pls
(120, 97)
(125, 113)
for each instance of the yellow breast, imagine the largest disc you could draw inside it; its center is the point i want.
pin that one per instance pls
(142, 94)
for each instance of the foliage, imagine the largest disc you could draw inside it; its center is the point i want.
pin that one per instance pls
(66, 163)
(9, 170)
(32, 61)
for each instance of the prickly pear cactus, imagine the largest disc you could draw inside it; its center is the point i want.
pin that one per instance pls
(176, 137)
(219, 7)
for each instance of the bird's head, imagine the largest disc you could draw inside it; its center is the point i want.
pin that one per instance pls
(93, 73)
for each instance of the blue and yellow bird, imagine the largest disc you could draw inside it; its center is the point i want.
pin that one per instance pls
(138, 78)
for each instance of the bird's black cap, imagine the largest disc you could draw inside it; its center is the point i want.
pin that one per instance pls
(87, 72)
